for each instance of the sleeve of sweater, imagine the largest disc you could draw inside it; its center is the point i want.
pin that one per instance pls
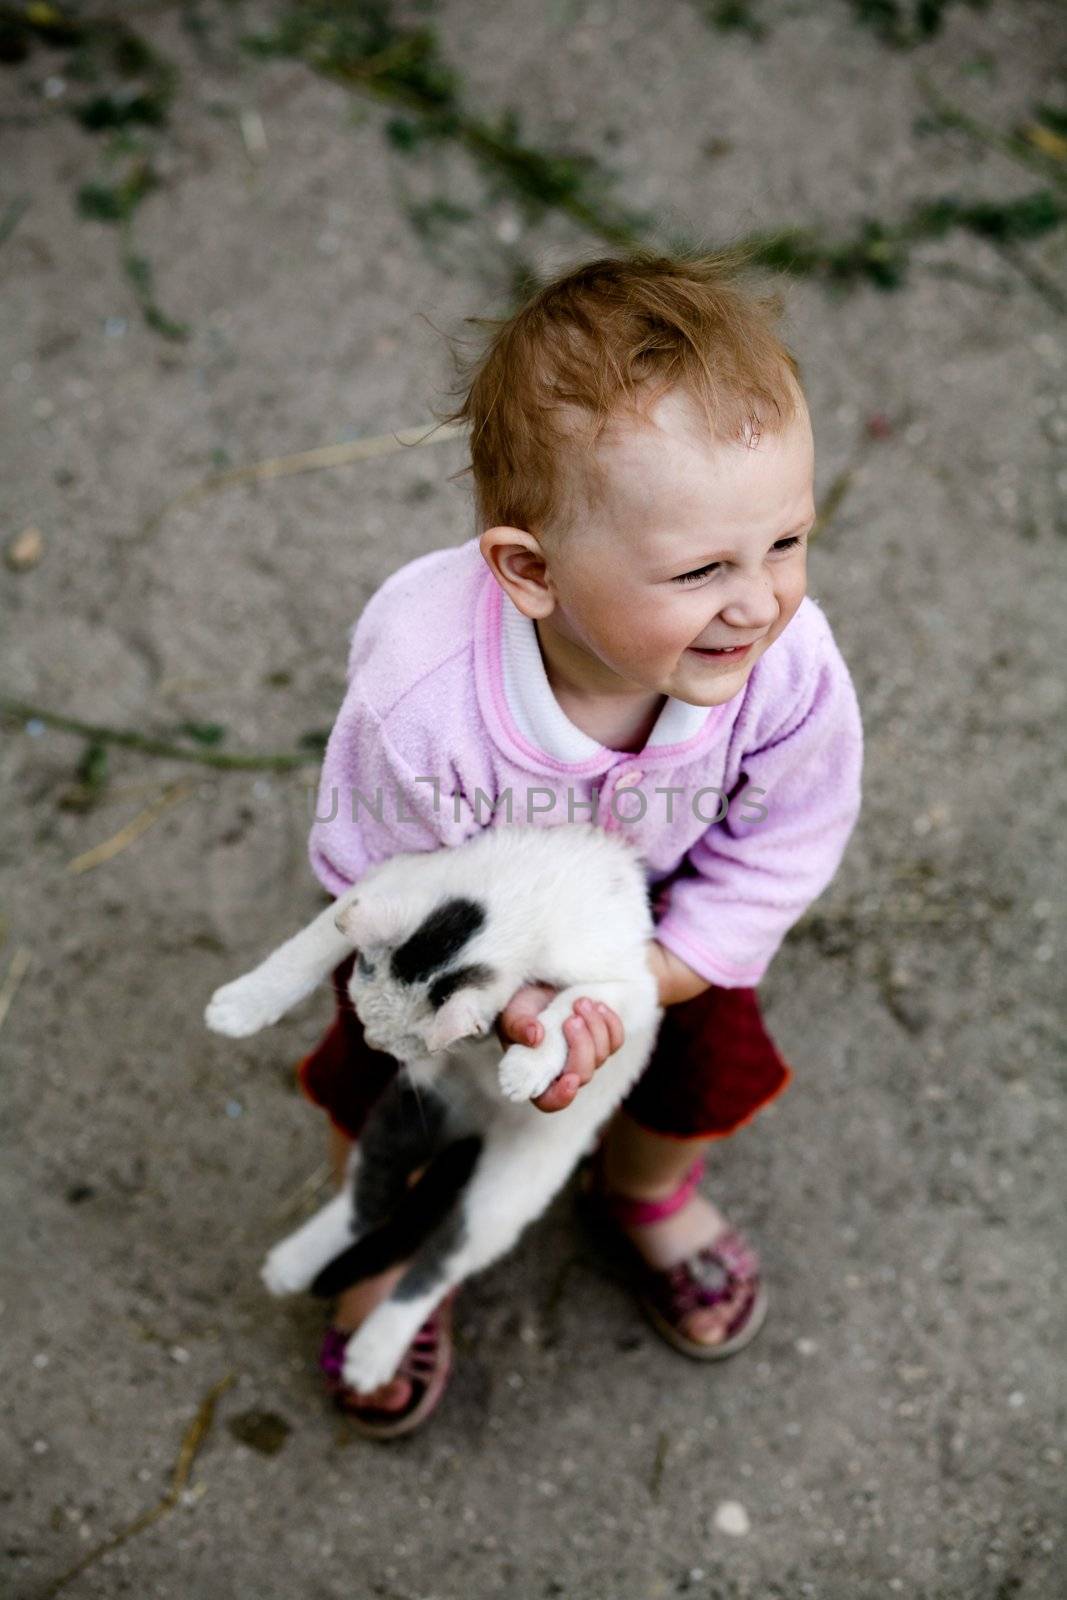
(753, 875)
(373, 803)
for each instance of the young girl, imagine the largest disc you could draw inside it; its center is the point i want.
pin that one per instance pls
(627, 642)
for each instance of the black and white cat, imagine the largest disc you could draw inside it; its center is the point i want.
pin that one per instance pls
(445, 939)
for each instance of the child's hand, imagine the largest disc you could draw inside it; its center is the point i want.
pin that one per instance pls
(593, 1032)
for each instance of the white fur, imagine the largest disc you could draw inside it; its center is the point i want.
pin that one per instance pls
(566, 906)
(291, 1266)
(288, 976)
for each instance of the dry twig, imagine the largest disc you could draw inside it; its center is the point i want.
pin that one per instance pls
(109, 848)
(191, 1446)
(311, 1187)
(330, 455)
(20, 963)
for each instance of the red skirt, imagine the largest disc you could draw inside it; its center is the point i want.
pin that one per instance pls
(714, 1066)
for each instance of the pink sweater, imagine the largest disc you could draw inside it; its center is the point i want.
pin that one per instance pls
(741, 812)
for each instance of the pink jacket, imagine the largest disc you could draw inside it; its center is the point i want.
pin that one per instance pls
(741, 812)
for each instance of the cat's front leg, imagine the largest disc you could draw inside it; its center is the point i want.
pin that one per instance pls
(286, 977)
(527, 1070)
(295, 1262)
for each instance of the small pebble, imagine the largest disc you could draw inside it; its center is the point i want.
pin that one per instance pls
(25, 549)
(179, 1354)
(731, 1517)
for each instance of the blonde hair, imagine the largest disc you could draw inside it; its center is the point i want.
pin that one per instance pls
(600, 343)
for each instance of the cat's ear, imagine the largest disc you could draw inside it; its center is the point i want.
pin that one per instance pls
(373, 919)
(459, 1018)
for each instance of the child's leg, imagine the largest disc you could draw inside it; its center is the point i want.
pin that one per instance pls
(641, 1165)
(713, 1067)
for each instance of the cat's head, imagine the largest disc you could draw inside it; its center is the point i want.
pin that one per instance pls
(417, 983)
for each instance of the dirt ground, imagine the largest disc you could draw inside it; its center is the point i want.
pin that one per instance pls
(898, 1428)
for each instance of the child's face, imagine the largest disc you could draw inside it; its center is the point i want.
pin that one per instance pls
(633, 596)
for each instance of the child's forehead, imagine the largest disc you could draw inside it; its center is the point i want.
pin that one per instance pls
(669, 457)
(674, 425)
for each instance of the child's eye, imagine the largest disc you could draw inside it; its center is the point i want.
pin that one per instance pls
(702, 572)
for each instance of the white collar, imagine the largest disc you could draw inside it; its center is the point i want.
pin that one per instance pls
(539, 716)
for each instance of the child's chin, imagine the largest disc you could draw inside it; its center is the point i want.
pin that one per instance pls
(711, 688)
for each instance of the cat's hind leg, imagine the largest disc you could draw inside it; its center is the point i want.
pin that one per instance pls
(440, 1262)
(423, 1216)
(294, 1263)
(501, 1199)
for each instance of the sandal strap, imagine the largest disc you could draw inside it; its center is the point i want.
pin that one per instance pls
(420, 1359)
(709, 1277)
(631, 1213)
(734, 1249)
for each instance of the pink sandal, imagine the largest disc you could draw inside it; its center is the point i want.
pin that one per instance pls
(711, 1276)
(426, 1366)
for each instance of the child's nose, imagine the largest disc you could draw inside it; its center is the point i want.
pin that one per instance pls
(752, 604)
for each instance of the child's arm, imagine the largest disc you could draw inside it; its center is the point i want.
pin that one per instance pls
(593, 1031)
(757, 871)
(677, 982)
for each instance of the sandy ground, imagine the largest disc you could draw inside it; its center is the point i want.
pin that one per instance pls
(898, 1427)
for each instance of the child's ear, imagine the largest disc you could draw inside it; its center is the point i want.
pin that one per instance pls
(459, 1018)
(373, 919)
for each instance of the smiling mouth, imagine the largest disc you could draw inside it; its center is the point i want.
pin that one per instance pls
(733, 654)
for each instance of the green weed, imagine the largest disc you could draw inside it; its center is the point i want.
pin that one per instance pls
(133, 88)
(906, 25)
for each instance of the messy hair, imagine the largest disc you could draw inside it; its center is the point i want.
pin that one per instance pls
(601, 343)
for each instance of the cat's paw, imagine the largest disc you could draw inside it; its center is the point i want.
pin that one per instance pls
(242, 1008)
(286, 1270)
(526, 1072)
(371, 1358)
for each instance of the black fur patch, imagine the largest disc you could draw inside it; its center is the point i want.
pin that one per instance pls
(402, 1133)
(438, 938)
(428, 1266)
(425, 1212)
(474, 976)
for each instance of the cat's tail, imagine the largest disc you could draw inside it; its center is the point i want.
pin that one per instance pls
(423, 1209)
